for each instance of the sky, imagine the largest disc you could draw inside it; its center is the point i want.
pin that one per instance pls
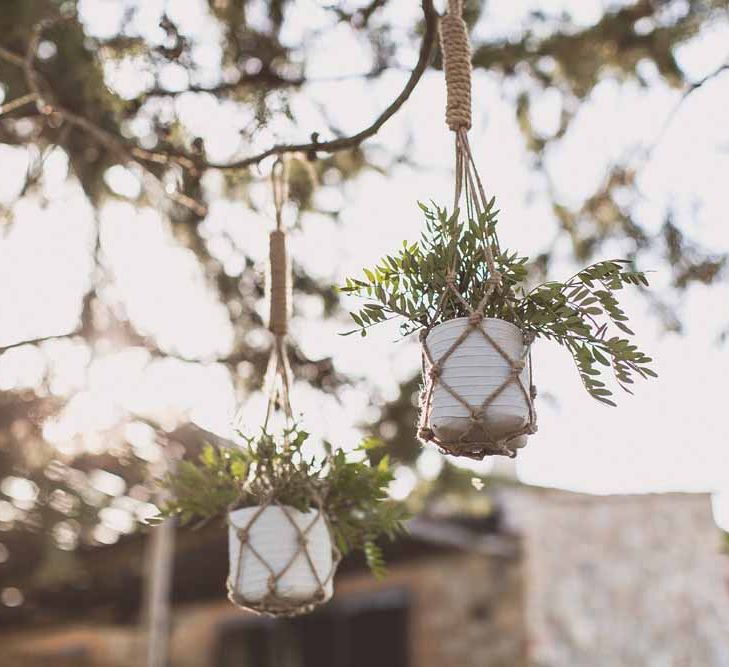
(671, 435)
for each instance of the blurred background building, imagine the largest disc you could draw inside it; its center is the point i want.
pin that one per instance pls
(516, 575)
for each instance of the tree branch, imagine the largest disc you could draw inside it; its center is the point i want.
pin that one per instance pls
(692, 88)
(41, 91)
(264, 77)
(47, 107)
(17, 103)
(344, 143)
(195, 163)
(647, 153)
(37, 341)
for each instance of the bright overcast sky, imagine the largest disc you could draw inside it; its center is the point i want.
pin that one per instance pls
(672, 435)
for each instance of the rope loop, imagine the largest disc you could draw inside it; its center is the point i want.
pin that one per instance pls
(279, 292)
(475, 319)
(279, 182)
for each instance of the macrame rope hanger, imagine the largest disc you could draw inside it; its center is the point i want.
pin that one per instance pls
(278, 387)
(278, 376)
(456, 49)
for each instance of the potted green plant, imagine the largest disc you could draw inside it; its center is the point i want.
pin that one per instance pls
(289, 518)
(477, 317)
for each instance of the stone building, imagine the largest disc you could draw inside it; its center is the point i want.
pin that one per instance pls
(549, 578)
(635, 580)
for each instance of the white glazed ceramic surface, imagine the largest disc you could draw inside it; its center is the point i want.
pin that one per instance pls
(474, 370)
(276, 540)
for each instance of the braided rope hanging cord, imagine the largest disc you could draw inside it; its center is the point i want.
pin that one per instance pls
(306, 534)
(280, 296)
(478, 439)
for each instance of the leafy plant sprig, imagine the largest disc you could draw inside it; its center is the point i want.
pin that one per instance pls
(352, 493)
(581, 314)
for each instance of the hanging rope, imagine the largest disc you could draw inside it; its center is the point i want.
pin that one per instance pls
(279, 271)
(456, 50)
(475, 442)
(278, 382)
(278, 377)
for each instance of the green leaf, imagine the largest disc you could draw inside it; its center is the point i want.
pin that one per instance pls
(600, 357)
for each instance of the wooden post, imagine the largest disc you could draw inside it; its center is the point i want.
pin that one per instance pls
(159, 570)
(160, 555)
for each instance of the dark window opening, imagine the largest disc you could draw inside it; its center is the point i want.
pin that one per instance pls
(366, 630)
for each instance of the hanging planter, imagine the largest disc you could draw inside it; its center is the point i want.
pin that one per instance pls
(475, 366)
(476, 316)
(289, 518)
(280, 557)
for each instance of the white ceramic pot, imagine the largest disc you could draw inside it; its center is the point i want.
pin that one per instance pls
(474, 370)
(274, 538)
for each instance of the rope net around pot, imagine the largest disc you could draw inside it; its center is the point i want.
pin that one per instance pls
(305, 528)
(274, 602)
(477, 439)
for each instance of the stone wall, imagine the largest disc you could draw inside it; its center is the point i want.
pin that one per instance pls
(630, 581)
(583, 581)
(465, 611)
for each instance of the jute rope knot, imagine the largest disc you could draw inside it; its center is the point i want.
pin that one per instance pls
(426, 434)
(279, 284)
(457, 65)
(279, 279)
